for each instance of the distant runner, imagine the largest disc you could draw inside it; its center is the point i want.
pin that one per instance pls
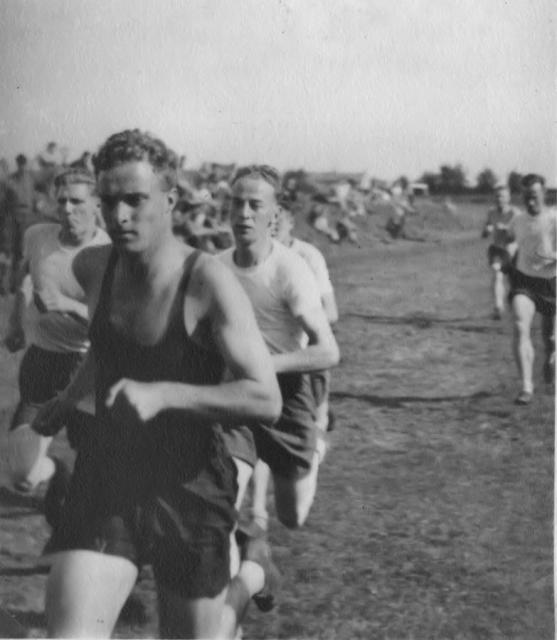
(314, 259)
(288, 310)
(502, 249)
(58, 319)
(533, 283)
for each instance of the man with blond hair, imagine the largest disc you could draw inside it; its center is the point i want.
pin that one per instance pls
(57, 319)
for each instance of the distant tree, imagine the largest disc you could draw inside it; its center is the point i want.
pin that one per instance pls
(433, 181)
(486, 181)
(515, 181)
(453, 179)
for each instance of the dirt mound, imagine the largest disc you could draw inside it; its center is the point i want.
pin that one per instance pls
(436, 220)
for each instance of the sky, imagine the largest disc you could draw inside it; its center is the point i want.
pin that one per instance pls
(350, 85)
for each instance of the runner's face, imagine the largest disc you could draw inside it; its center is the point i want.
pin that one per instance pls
(533, 198)
(502, 198)
(254, 206)
(78, 210)
(136, 208)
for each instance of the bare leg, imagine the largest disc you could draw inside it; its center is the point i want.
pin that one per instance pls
(261, 479)
(322, 418)
(498, 288)
(180, 617)
(294, 497)
(85, 593)
(44, 467)
(26, 458)
(249, 577)
(524, 311)
(246, 583)
(244, 471)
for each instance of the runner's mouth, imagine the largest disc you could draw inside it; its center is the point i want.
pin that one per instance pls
(122, 235)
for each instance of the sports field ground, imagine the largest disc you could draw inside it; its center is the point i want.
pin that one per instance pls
(434, 514)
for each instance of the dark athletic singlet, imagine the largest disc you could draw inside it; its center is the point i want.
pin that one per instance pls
(161, 491)
(170, 448)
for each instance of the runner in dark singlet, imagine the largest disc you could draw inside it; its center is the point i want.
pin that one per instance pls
(153, 482)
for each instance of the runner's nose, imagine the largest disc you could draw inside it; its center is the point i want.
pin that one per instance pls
(121, 212)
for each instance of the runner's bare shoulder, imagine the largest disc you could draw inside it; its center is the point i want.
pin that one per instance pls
(213, 289)
(89, 265)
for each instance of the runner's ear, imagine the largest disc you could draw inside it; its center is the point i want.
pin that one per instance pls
(172, 198)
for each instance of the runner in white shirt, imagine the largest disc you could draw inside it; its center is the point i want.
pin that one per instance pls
(503, 246)
(314, 259)
(289, 314)
(57, 319)
(533, 283)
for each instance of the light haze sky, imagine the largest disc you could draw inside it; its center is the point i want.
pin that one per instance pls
(394, 87)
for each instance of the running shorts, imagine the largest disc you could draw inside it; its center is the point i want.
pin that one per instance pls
(288, 446)
(241, 444)
(500, 255)
(155, 509)
(540, 290)
(43, 375)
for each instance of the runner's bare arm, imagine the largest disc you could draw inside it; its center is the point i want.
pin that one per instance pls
(88, 268)
(322, 351)
(251, 394)
(54, 300)
(15, 335)
(330, 305)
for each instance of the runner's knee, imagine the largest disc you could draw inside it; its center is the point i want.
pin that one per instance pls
(292, 516)
(521, 326)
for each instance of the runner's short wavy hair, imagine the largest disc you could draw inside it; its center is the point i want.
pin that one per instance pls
(135, 145)
(530, 179)
(76, 175)
(263, 171)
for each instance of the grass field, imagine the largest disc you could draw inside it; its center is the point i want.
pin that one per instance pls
(433, 518)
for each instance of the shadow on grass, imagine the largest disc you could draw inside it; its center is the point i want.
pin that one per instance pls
(424, 321)
(398, 402)
(12, 625)
(27, 619)
(10, 498)
(24, 571)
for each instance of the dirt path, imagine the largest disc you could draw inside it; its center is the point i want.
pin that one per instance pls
(434, 514)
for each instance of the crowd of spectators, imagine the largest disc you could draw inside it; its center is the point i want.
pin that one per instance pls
(201, 216)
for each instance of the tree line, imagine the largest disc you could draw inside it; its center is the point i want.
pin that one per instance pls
(453, 180)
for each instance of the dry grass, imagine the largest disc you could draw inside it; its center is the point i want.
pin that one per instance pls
(433, 517)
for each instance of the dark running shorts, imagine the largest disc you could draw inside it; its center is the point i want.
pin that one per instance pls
(501, 255)
(241, 444)
(540, 290)
(42, 375)
(179, 525)
(289, 445)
